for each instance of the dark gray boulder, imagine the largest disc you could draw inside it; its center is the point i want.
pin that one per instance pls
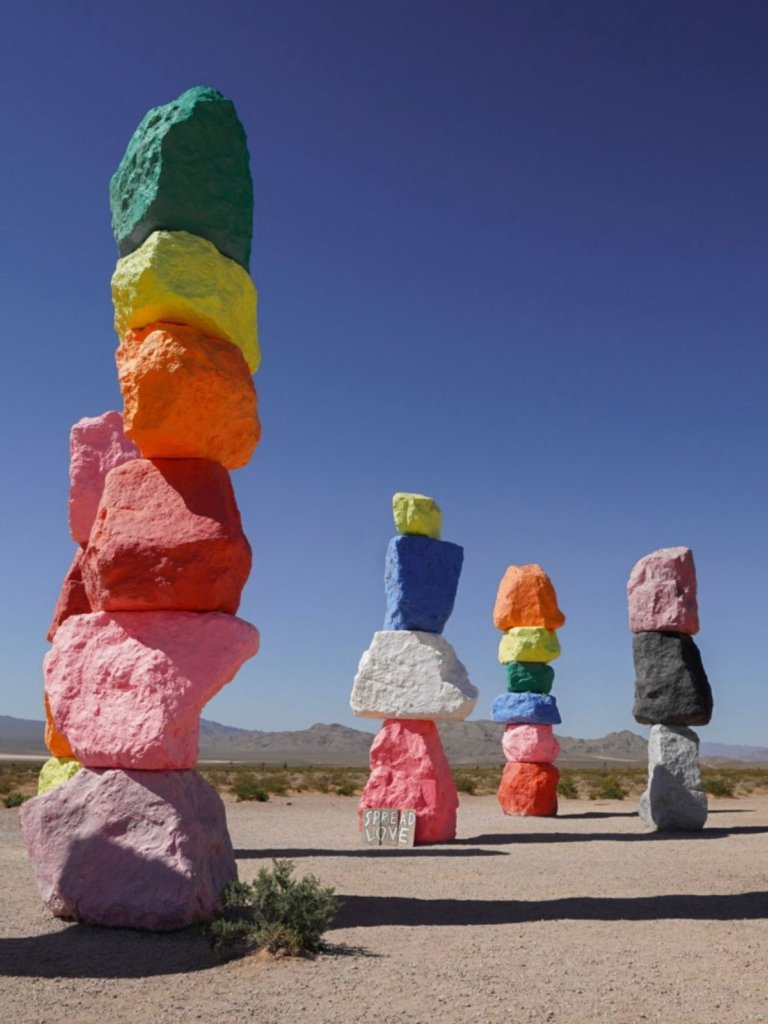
(671, 687)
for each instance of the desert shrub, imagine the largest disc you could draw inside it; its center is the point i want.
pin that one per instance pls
(275, 912)
(277, 783)
(567, 788)
(465, 783)
(248, 789)
(345, 789)
(719, 786)
(14, 799)
(611, 789)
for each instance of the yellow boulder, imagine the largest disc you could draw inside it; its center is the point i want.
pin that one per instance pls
(184, 279)
(529, 643)
(416, 514)
(55, 772)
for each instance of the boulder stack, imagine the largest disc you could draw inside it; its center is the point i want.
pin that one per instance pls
(526, 611)
(124, 831)
(672, 691)
(410, 675)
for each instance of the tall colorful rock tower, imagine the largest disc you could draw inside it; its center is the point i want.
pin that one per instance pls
(410, 675)
(672, 691)
(145, 631)
(527, 612)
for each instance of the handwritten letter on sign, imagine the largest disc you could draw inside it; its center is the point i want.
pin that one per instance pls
(383, 826)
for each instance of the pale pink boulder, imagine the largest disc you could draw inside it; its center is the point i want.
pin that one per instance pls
(662, 593)
(96, 445)
(409, 769)
(127, 688)
(130, 849)
(536, 744)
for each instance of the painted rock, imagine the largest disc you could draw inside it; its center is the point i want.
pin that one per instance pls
(529, 643)
(421, 577)
(57, 743)
(525, 709)
(55, 772)
(529, 789)
(187, 396)
(526, 597)
(416, 514)
(130, 849)
(127, 688)
(531, 743)
(181, 278)
(73, 599)
(96, 445)
(671, 687)
(675, 798)
(167, 536)
(186, 169)
(409, 769)
(662, 592)
(529, 677)
(412, 675)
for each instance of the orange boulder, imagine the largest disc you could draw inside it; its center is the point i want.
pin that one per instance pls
(529, 789)
(187, 395)
(526, 597)
(57, 743)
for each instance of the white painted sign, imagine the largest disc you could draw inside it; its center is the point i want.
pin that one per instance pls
(389, 827)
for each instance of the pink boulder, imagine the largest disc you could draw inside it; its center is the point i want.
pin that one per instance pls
(130, 849)
(167, 536)
(532, 743)
(127, 688)
(73, 599)
(662, 593)
(409, 769)
(96, 445)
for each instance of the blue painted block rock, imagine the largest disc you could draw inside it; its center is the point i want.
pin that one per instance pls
(421, 578)
(526, 709)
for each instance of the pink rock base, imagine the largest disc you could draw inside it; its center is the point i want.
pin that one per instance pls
(130, 849)
(409, 769)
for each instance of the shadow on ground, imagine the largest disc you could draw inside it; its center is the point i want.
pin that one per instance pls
(518, 838)
(416, 851)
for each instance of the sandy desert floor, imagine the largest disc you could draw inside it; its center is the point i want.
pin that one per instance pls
(582, 918)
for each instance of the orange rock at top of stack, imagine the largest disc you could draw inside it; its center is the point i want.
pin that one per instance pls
(526, 597)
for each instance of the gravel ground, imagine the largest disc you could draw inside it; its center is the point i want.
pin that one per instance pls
(582, 918)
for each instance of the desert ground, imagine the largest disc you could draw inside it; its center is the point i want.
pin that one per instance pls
(581, 918)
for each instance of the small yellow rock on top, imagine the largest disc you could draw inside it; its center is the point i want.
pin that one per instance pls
(417, 514)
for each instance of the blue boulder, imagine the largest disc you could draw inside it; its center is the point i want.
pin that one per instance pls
(421, 578)
(526, 709)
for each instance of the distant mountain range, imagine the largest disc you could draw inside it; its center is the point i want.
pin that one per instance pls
(466, 743)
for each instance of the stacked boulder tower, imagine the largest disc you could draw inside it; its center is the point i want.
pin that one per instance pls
(527, 612)
(125, 832)
(672, 691)
(410, 675)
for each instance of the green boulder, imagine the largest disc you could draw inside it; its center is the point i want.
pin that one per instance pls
(186, 168)
(529, 677)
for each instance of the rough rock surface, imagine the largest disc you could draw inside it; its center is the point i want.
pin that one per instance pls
(167, 536)
(187, 395)
(671, 687)
(409, 769)
(675, 798)
(181, 278)
(72, 599)
(96, 445)
(529, 789)
(526, 597)
(130, 849)
(412, 675)
(57, 743)
(662, 592)
(127, 688)
(55, 772)
(531, 743)
(525, 709)
(416, 514)
(529, 643)
(529, 677)
(421, 577)
(186, 169)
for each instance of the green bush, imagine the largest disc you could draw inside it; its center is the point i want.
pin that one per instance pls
(345, 789)
(567, 788)
(611, 789)
(719, 786)
(275, 912)
(465, 783)
(14, 800)
(247, 789)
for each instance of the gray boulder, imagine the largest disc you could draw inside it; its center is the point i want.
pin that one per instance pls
(675, 799)
(671, 687)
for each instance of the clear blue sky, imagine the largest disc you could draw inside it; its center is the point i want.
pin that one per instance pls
(510, 254)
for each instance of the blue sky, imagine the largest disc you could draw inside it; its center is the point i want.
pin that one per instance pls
(509, 254)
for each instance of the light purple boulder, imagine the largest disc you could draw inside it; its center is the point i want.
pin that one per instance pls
(130, 849)
(535, 744)
(96, 445)
(662, 593)
(127, 688)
